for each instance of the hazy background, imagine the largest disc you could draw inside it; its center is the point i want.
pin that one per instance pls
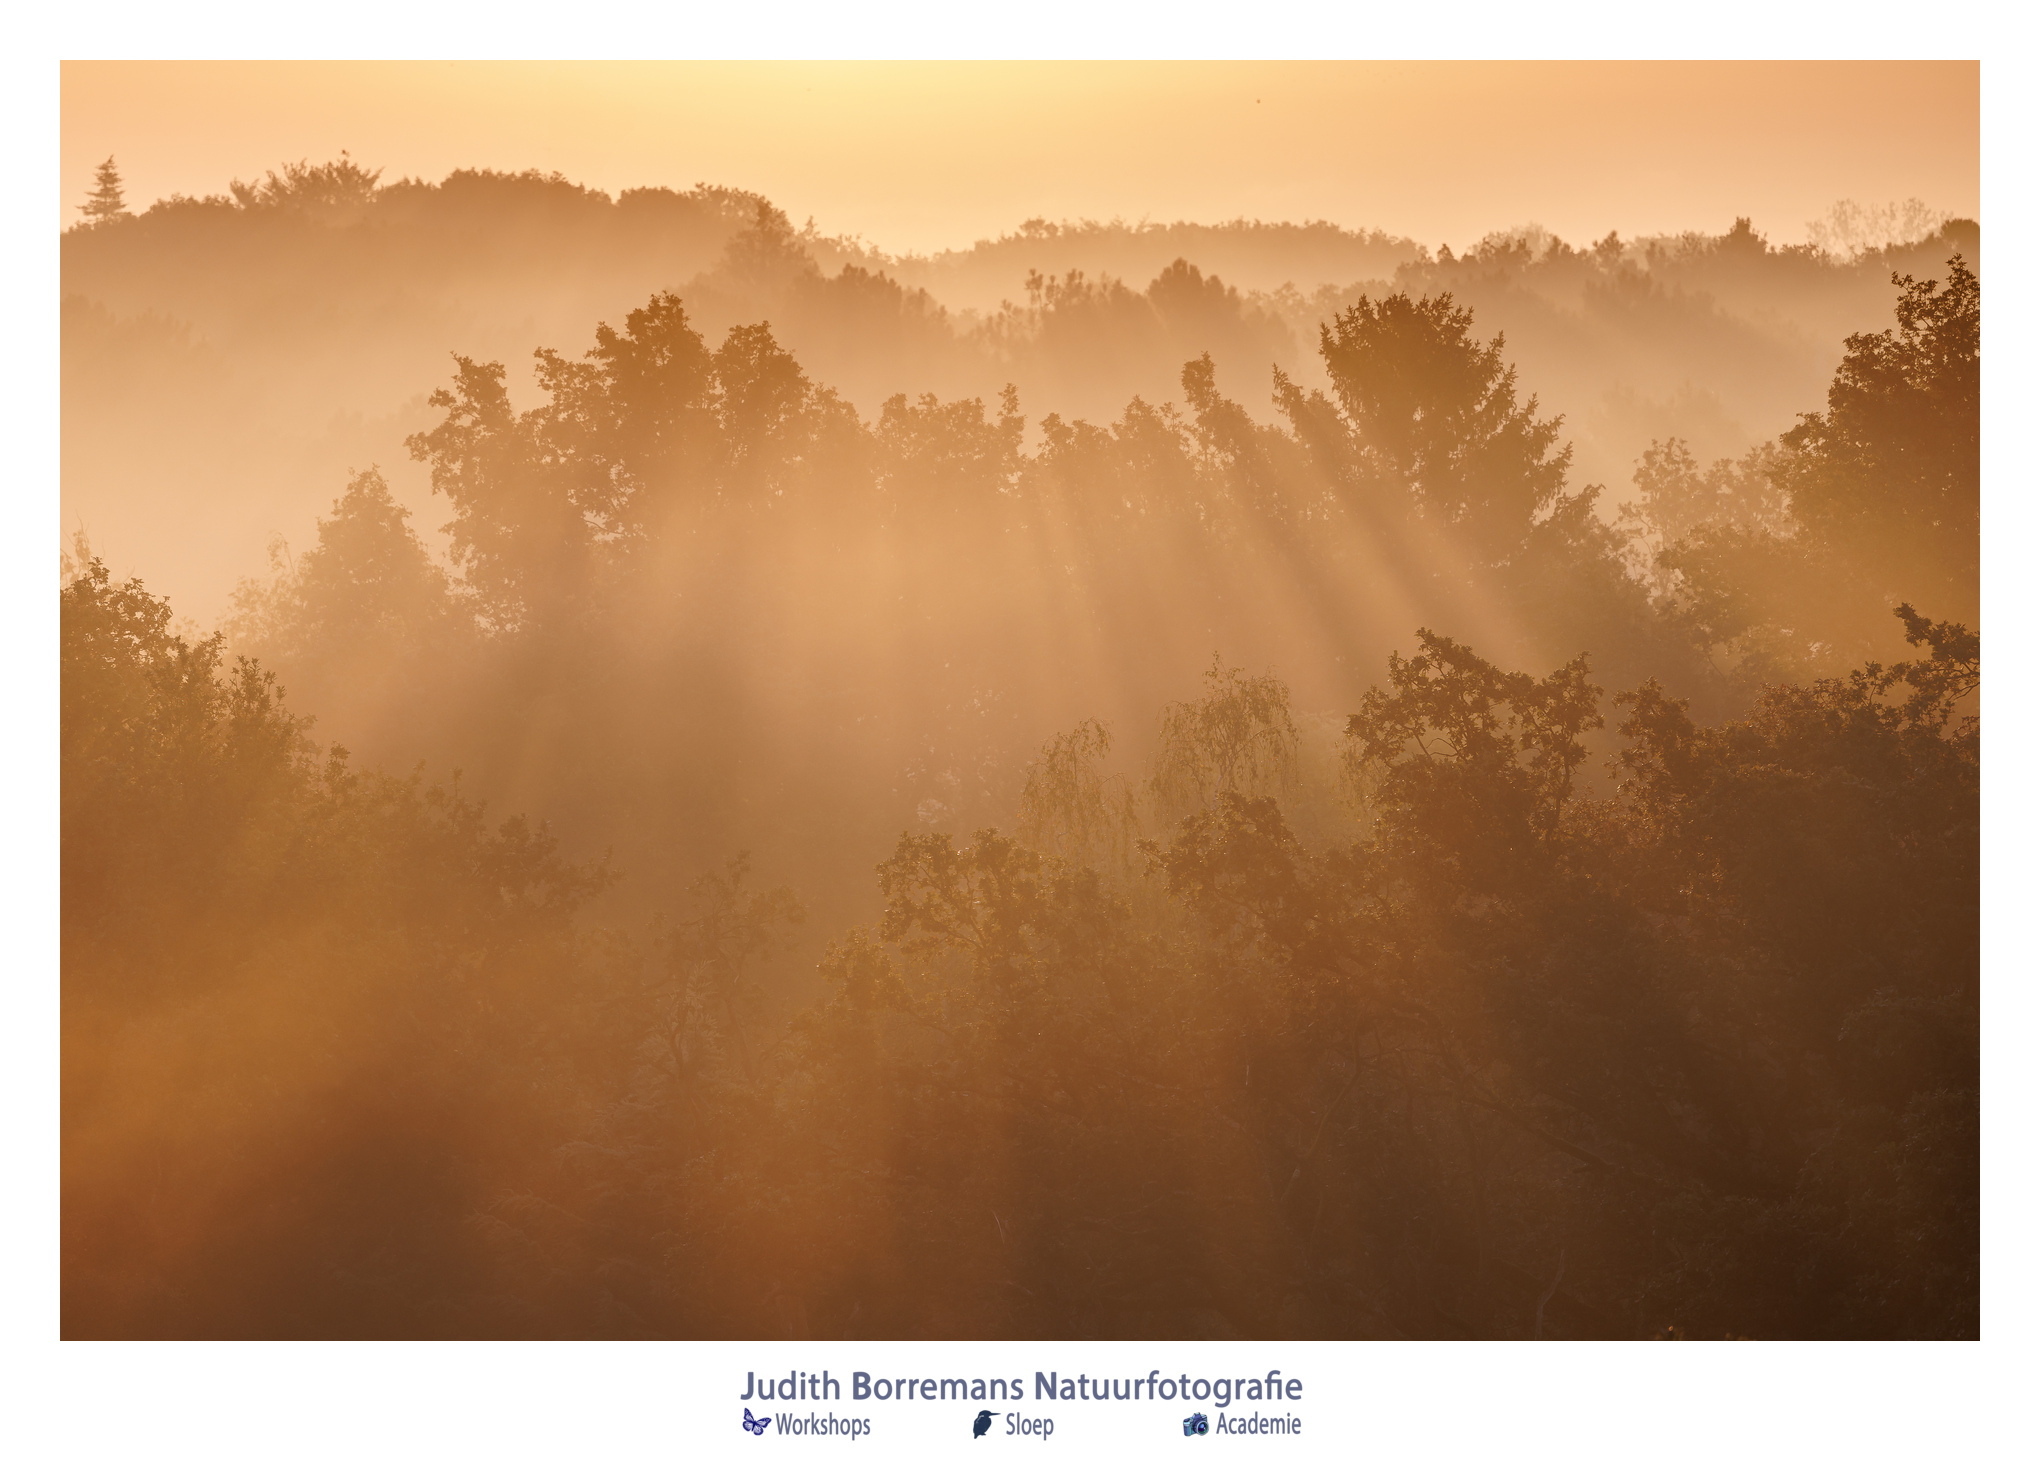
(921, 157)
(221, 386)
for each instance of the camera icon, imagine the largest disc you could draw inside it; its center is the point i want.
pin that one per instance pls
(1196, 1425)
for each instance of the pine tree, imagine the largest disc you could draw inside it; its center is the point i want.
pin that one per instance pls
(105, 202)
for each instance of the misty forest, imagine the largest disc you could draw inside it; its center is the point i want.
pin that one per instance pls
(630, 769)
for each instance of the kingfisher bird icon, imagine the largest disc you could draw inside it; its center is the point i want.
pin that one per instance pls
(980, 1425)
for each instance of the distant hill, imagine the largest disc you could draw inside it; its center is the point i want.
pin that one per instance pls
(1248, 254)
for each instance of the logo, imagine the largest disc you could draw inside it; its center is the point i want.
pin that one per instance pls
(980, 1425)
(755, 1426)
(1196, 1425)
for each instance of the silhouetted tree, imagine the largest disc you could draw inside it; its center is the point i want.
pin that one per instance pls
(105, 202)
(1874, 500)
(1889, 475)
(1441, 408)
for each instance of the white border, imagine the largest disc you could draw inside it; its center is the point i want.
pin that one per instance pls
(334, 1405)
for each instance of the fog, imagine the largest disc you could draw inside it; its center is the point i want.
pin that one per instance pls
(633, 769)
(228, 366)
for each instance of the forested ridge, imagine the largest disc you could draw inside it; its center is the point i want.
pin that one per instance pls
(1539, 918)
(227, 359)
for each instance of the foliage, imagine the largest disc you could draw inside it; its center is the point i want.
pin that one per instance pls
(1072, 808)
(1440, 407)
(1239, 738)
(1812, 538)
(366, 590)
(554, 506)
(1890, 471)
(1464, 756)
(1139, 1041)
(301, 1002)
(331, 191)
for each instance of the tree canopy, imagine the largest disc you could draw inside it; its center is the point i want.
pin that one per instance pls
(1299, 873)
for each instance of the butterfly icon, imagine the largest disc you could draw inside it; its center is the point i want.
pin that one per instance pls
(755, 1426)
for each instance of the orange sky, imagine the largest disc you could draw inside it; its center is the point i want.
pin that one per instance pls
(919, 156)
